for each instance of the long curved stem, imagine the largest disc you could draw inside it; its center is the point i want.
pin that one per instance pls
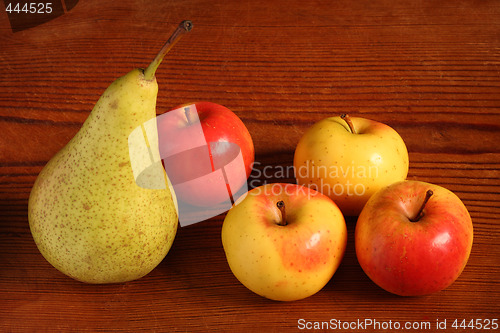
(184, 26)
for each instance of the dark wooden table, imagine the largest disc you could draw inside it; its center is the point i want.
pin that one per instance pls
(429, 69)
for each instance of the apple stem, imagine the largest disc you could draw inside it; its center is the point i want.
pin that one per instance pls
(184, 26)
(281, 206)
(187, 113)
(348, 120)
(420, 213)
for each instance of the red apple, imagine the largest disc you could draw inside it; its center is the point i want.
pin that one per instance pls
(413, 238)
(207, 152)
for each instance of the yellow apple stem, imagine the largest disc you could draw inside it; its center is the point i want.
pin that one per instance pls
(348, 120)
(281, 206)
(420, 213)
(184, 26)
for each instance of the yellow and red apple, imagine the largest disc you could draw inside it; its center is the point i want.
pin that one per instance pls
(413, 238)
(349, 159)
(284, 241)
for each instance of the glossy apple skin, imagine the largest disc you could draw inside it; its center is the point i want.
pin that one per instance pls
(348, 167)
(413, 258)
(289, 262)
(215, 135)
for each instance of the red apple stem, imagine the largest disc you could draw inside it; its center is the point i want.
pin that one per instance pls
(420, 213)
(281, 206)
(348, 120)
(187, 113)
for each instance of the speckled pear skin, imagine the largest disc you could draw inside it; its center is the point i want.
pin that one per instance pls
(87, 215)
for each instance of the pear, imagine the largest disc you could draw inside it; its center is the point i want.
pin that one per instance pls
(89, 214)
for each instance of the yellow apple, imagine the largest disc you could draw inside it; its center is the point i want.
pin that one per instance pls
(284, 241)
(349, 159)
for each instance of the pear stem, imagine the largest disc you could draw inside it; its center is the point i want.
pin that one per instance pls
(420, 213)
(184, 26)
(281, 206)
(348, 120)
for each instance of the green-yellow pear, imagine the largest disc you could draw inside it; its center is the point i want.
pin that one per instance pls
(92, 215)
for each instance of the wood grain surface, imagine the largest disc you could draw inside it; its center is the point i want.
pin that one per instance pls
(429, 69)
